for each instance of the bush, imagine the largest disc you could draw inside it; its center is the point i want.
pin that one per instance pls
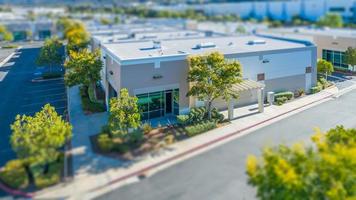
(89, 105)
(183, 119)
(315, 89)
(14, 174)
(218, 117)
(289, 95)
(197, 114)
(146, 127)
(135, 137)
(105, 143)
(281, 100)
(199, 128)
(299, 92)
(169, 139)
(323, 83)
(105, 129)
(52, 177)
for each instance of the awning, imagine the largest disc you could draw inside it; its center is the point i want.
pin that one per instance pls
(247, 85)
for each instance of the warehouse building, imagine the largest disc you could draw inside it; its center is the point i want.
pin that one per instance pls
(156, 72)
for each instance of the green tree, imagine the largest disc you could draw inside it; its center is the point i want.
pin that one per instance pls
(211, 77)
(350, 57)
(83, 67)
(124, 113)
(331, 20)
(74, 32)
(325, 67)
(6, 35)
(50, 53)
(299, 172)
(39, 137)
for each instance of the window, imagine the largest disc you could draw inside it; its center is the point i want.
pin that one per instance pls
(337, 58)
(152, 105)
(308, 70)
(261, 77)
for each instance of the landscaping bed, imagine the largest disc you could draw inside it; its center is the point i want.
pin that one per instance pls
(147, 139)
(17, 174)
(89, 104)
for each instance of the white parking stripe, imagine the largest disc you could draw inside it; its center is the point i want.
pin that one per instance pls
(50, 102)
(38, 91)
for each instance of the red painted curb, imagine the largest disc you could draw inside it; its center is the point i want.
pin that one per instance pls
(15, 192)
(143, 170)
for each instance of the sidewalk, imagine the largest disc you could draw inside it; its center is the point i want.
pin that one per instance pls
(95, 175)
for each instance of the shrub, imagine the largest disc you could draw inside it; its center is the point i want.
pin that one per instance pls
(51, 75)
(299, 92)
(146, 127)
(169, 139)
(197, 114)
(14, 174)
(315, 89)
(323, 83)
(51, 177)
(183, 119)
(89, 105)
(281, 100)
(218, 117)
(105, 143)
(121, 148)
(289, 95)
(105, 129)
(135, 137)
(199, 128)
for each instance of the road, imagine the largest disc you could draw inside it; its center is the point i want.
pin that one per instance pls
(220, 172)
(18, 95)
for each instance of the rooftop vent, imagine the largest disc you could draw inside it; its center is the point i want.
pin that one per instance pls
(206, 45)
(253, 42)
(157, 44)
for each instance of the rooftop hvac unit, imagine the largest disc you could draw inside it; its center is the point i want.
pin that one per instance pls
(252, 42)
(206, 45)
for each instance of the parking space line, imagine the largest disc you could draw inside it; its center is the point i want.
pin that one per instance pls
(38, 91)
(47, 95)
(50, 102)
(38, 86)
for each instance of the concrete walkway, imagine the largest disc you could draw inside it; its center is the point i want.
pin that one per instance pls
(95, 175)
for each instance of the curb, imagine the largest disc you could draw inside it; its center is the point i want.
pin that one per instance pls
(199, 147)
(16, 192)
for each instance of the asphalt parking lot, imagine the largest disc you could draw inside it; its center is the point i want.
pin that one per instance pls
(19, 95)
(342, 81)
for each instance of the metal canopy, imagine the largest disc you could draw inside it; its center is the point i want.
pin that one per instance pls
(247, 85)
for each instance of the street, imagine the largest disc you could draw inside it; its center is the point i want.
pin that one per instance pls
(220, 172)
(21, 96)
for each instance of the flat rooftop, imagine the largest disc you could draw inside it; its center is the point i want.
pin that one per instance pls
(318, 31)
(147, 35)
(226, 45)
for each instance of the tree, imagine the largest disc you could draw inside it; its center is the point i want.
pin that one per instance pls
(325, 67)
(6, 35)
(124, 113)
(331, 20)
(40, 137)
(212, 76)
(50, 53)
(83, 67)
(297, 172)
(75, 32)
(350, 57)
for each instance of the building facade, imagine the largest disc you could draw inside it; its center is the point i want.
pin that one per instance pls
(157, 74)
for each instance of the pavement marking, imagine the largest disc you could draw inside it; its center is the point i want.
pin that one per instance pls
(47, 95)
(344, 79)
(7, 59)
(42, 85)
(39, 103)
(38, 91)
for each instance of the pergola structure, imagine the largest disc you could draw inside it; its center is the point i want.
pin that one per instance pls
(247, 85)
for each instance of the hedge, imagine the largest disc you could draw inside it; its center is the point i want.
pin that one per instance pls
(52, 177)
(289, 95)
(196, 129)
(105, 143)
(315, 89)
(183, 119)
(14, 174)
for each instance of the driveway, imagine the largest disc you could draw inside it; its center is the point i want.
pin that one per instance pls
(21, 96)
(342, 81)
(220, 172)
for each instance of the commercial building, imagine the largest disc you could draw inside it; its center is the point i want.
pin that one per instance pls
(156, 71)
(331, 43)
(30, 30)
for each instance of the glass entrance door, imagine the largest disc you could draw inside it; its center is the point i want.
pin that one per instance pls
(168, 107)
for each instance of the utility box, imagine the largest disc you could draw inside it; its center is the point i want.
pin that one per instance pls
(270, 97)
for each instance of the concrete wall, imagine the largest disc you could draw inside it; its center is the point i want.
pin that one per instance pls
(333, 43)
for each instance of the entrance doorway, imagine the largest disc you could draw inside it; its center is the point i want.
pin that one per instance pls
(168, 106)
